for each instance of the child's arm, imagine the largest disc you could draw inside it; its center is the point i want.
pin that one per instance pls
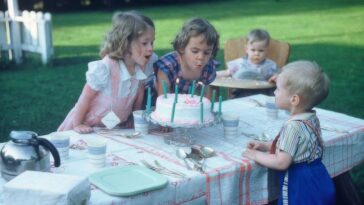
(208, 92)
(82, 108)
(262, 146)
(273, 79)
(223, 73)
(139, 98)
(278, 161)
(160, 77)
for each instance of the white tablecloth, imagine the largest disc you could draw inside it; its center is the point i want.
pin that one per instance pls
(229, 178)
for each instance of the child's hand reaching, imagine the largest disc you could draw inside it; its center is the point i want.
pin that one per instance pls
(253, 145)
(129, 123)
(83, 129)
(273, 79)
(250, 153)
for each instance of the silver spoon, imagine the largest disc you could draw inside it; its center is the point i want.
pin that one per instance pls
(183, 155)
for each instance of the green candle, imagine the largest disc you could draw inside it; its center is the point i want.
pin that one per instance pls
(213, 100)
(149, 100)
(202, 92)
(220, 101)
(193, 88)
(173, 110)
(165, 90)
(176, 91)
(201, 112)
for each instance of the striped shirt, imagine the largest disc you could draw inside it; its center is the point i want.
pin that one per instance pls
(170, 66)
(299, 139)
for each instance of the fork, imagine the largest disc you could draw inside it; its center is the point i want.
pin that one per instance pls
(172, 171)
(163, 170)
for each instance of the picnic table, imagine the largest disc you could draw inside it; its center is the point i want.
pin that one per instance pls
(229, 178)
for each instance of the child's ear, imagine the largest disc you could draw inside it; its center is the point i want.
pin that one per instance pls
(295, 100)
(181, 51)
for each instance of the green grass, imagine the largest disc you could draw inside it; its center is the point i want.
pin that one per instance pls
(329, 32)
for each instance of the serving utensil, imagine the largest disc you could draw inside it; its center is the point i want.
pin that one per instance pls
(183, 155)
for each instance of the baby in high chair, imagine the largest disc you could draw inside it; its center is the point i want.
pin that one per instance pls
(254, 65)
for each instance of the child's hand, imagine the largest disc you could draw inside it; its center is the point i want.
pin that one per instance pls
(249, 153)
(165, 129)
(273, 79)
(83, 129)
(129, 123)
(253, 145)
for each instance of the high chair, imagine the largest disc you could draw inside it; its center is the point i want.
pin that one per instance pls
(278, 51)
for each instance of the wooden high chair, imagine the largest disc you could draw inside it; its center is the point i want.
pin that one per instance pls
(278, 51)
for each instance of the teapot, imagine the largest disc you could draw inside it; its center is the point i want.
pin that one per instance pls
(25, 151)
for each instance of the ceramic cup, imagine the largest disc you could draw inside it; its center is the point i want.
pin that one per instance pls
(96, 153)
(231, 125)
(140, 123)
(61, 142)
(271, 110)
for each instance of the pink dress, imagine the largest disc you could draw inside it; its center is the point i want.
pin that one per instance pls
(116, 90)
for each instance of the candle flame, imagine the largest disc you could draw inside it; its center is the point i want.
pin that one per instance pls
(200, 83)
(177, 80)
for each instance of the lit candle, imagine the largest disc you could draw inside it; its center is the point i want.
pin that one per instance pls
(149, 100)
(213, 100)
(165, 90)
(201, 112)
(176, 91)
(173, 110)
(193, 88)
(220, 101)
(202, 91)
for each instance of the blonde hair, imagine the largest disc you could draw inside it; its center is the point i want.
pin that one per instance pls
(307, 80)
(258, 35)
(195, 27)
(126, 27)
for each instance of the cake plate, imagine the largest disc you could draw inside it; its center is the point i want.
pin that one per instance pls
(182, 133)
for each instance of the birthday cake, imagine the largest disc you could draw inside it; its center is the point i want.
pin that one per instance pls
(187, 110)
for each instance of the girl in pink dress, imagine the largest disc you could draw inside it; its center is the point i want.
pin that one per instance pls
(115, 84)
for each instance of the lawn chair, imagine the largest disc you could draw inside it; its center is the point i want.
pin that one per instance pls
(278, 51)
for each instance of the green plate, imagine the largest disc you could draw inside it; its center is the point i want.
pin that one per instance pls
(128, 180)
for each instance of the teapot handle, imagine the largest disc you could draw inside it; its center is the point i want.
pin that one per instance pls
(47, 144)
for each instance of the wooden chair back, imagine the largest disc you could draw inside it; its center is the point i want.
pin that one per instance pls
(278, 51)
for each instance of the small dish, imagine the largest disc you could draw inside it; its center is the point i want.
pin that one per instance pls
(128, 180)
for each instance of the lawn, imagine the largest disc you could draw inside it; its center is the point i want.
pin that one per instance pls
(330, 32)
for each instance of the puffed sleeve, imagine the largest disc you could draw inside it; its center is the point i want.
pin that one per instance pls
(97, 75)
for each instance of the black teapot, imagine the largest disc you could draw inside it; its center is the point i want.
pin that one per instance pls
(25, 151)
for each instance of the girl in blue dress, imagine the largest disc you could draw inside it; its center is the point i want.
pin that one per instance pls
(297, 150)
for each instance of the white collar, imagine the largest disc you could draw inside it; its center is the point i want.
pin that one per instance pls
(303, 116)
(125, 75)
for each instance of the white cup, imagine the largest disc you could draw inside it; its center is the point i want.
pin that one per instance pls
(140, 123)
(96, 153)
(231, 125)
(61, 142)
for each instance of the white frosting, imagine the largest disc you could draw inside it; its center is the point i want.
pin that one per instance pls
(187, 111)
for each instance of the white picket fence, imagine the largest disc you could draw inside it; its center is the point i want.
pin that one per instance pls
(35, 34)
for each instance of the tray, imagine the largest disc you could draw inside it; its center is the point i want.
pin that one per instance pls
(128, 180)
